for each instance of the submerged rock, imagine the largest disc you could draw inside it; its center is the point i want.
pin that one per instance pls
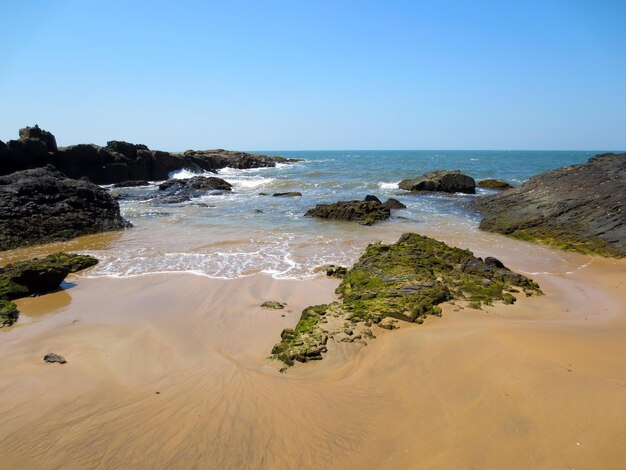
(579, 207)
(54, 358)
(366, 212)
(494, 184)
(39, 276)
(131, 184)
(43, 205)
(406, 280)
(288, 194)
(449, 181)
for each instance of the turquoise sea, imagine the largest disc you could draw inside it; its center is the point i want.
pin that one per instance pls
(242, 233)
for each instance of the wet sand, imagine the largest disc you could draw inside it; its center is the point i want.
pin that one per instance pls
(171, 371)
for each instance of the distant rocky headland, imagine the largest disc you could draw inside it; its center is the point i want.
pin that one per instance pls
(118, 161)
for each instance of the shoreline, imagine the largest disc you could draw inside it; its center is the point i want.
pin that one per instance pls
(524, 374)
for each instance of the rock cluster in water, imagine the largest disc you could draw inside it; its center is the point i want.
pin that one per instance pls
(366, 212)
(43, 205)
(579, 207)
(449, 181)
(406, 280)
(35, 276)
(118, 161)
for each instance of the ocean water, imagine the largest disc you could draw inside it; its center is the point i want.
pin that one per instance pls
(243, 233)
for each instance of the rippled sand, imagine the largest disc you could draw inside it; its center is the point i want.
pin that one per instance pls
(170, 371)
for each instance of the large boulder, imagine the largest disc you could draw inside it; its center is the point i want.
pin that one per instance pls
(494, 184)
(43, 205)
(39, 276)
(579, 207)
(37, 134)
(34, 148)
(366, 212)
(449, 181)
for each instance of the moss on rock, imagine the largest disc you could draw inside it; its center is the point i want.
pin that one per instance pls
(8, 313)
(406, 280)
(38, 276)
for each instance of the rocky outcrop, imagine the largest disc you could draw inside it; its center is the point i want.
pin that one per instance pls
(34, 148)
(366, 212)
(43, 205)
(199, 183)
(579, 207)
(211, 160)
(442, 180)
(34, 277)
(406, 280)
(118, 161)
(494, 184)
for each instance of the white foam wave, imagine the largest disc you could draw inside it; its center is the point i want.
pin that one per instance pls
(249, 181)
(182, 174)
(385, 185)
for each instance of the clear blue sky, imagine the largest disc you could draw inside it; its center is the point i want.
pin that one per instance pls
(317, 74)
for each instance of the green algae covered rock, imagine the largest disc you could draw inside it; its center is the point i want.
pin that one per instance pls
(38, 276)
(406, 280)
(8, 313)
(494, 184)
(272, 305)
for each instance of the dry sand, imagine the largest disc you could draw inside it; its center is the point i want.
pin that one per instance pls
(170, 371)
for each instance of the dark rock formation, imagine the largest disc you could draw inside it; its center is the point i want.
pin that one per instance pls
(43, 205)
(212, 160)
(372, 198)
(406, 280)
(366, 212)
(494, 184)
(52, 358)
(288, 194)
(199, 183)
(578, 207)
(118, 161)
(34, 148)
(392, 203)
(442, 180)
(131, 184)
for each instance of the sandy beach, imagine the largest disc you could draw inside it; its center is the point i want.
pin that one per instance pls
(172, 371)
